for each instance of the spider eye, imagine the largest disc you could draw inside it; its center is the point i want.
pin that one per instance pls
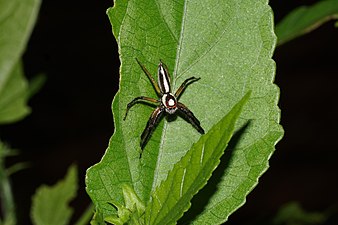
(169, 102)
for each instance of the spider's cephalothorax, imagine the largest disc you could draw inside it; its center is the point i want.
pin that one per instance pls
(168, 101)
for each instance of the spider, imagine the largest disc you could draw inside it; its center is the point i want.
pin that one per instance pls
(168, 102)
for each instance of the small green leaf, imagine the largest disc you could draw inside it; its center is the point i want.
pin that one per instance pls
(304, 19)
(98, 218)
(192, 172)
(132, 210)
(50, 204)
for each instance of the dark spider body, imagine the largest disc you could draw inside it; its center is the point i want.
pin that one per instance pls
(168, 101)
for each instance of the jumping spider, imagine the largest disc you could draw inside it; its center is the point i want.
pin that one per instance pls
(168, 102)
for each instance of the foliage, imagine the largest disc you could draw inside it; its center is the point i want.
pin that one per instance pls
(304, 19)
(172, 197)
(17, 19)
(229, 46)
(16, 23)
(293, 214)
(8, 207)
(50, 204)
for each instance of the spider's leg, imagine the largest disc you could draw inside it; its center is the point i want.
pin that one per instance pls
(190, 116)
(136, 100)
(152, 122)
(157, 89)
(184, 85)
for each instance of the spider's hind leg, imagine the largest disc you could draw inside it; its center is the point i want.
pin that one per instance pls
(190, 116)
(136, 100)
(152, 122)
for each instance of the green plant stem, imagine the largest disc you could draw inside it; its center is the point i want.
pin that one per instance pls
(86, 216)
(7, 202)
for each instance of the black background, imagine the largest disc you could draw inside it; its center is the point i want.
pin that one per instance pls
(71, 120)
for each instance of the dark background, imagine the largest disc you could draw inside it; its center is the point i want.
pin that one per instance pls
(71, 120)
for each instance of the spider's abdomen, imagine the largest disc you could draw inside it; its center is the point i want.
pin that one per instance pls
(169, 102)
(163, 78)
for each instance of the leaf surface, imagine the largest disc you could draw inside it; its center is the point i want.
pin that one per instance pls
(304, 19)
(229, 45)
(192, 172)
(51, 203)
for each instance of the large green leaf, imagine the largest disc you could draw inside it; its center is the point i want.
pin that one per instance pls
(51, 204)
(229, 45)
(305, 19)
(17, 18)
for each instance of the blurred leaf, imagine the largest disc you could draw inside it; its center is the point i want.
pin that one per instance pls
(304, 19)
(35, 84)
(16, 92)
(17, 19)
(229, 45)
(51, 203)
(293, 214)
(13, 97)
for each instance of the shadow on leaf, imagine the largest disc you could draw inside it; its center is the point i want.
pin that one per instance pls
(201, 199)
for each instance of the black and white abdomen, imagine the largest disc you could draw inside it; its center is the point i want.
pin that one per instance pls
(163, 79)
(170, 103)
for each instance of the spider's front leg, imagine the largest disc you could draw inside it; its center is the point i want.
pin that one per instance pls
(190, 116)
(184, 85)
(152, 122)
(136, 100)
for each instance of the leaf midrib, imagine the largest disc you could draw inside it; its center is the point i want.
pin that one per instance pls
(173, 85)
